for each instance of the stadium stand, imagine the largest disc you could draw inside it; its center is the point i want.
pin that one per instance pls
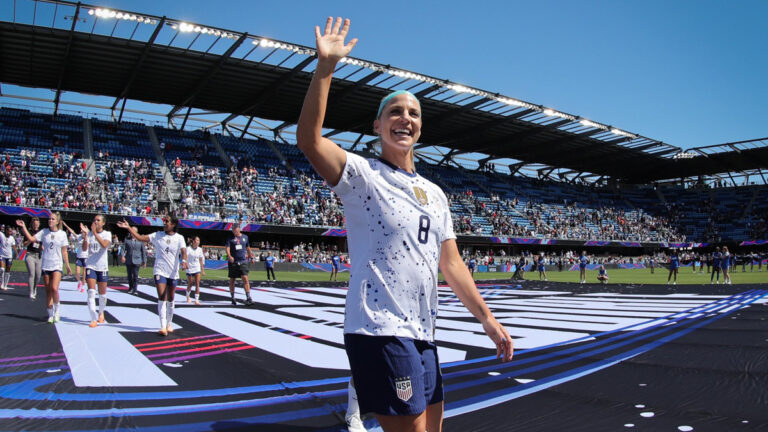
(271, 182)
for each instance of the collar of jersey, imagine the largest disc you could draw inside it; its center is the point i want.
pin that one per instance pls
(396, 168)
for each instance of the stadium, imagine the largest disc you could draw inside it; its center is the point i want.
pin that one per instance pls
(525, 184)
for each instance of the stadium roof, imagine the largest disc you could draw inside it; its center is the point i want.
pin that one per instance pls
(75, 47)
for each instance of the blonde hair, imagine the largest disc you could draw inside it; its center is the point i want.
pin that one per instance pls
(60, 223)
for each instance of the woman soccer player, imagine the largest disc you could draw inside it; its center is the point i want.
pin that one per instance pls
(602, 275)
(96, 241)
(542, 267)
(583, 266)
(716, 265)
(399, 230)
(725, 264)
(80, 254)
(54, 243)
(7, 249)
(196, 269)
(168, 244)
(674, 265)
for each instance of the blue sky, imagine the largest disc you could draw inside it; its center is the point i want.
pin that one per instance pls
(688, 73)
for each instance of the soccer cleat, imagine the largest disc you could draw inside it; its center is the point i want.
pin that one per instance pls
(80, 286)
(101, 318)
(248, 301)
(50, 320)
(162, 332)
(93, 324)
(56, 317)
(234, 303)
(355, 424)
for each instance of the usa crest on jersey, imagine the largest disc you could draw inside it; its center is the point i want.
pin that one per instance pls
(421, 195)
(404, 388)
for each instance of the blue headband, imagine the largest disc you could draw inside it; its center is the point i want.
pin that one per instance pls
(389, 97)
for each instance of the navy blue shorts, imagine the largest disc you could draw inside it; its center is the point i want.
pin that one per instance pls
(50, 273)
(171, 283)
(7, 261)
(80, 262)
(541, 268)
(394, 375)
(192, 274)
(100, 276)
(582, 266)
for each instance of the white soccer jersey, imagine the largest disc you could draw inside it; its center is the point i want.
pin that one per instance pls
(97, 255)
(52, 242)
(193, 259)
(6, 246)
(81, 253)
(167, 250)
(396, 224)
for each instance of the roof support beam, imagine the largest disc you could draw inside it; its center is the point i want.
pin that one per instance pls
(270, 90)
(137, 68)
(478, 131)
(203, 82)
(515, 167)
(63, 70)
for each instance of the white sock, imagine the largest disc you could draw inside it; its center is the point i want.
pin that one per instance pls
(92, 304)
(50, 312)
(2, 276)
(197, 296)
(162, 305)
(353, 409)
(56, 307)
(169, 311)
(102, 303)
(7, 278)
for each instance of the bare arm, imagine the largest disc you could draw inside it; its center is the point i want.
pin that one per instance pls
(30, 238)
(460, 280)
(65, 256)
(326, 157)
(134, 232)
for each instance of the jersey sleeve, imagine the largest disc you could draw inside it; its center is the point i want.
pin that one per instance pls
(448, 232)
(353, 176)
(39, 236)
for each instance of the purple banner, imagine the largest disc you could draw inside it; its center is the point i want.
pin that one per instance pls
(753, 243)
(25, 211)
(631, 244)
(597, 243)
(335, 232)
(520, 240)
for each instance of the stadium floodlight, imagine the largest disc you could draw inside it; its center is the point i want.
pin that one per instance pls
(552, 113)
(684, 155)
(590, 123)
(620, 132)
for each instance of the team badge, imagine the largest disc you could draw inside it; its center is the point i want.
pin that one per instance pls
(404, 388)
(168, 241)
(421, 195)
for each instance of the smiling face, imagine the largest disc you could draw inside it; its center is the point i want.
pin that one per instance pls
(399, 124)
(98, 223)
(169, 224)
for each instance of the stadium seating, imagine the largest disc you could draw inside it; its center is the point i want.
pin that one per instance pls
(264, 181)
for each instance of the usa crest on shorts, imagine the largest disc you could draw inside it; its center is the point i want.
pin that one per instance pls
(404, 388)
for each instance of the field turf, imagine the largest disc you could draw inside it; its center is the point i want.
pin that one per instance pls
(633, 276)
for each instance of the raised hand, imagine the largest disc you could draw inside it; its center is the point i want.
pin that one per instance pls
(21, 223)
(123, 224)
(83, 228)
(330, 45)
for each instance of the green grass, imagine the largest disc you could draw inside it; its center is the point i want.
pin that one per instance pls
(684, 277)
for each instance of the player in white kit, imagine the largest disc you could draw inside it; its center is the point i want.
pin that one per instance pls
(7, 248)
(54, 243)
(80, 254)
(196, 269)
(399, 230)
(168, 245)
(96, 241)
